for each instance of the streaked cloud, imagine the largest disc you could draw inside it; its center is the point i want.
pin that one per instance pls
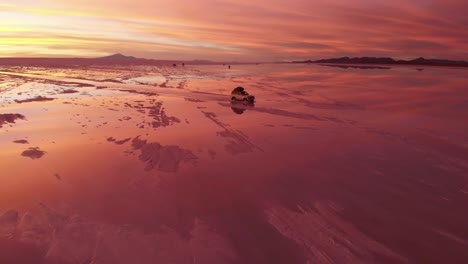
(262, 30)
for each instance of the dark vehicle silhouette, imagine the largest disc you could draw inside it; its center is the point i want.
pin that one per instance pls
(239, 107)
(239, 94)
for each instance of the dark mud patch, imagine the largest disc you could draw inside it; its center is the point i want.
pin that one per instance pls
(35, 99)
(160, 119)
(33, 153)
(21, 141)
(155, 111)
(163, 158)
(10, 118)
(119, 142)
(182, 85)
(164, 85)
(125, 118)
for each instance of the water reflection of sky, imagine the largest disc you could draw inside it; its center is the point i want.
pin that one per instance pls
(340, 152)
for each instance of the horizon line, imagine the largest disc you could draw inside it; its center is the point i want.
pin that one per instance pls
(131, 57)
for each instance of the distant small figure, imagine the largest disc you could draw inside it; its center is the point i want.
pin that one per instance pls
(183, 64)
(174, 65)
(229, 67)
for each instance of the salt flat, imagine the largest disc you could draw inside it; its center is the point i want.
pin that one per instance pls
(143, 164)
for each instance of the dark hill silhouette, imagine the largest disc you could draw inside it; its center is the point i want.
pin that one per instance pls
(118, 56)
(423, 61)
(375, 60)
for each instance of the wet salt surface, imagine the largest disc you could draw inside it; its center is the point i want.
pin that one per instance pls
(155, 164)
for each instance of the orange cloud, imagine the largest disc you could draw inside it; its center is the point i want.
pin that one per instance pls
(235, 29)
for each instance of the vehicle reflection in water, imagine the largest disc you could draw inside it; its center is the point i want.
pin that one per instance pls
(239, 107)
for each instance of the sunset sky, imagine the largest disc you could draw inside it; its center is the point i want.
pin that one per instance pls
(241, 30)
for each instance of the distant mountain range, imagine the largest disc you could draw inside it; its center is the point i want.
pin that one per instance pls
(375, 60)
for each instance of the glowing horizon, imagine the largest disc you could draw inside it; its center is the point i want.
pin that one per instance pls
(273, 30)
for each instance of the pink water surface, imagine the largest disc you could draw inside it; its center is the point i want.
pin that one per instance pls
(157, 165)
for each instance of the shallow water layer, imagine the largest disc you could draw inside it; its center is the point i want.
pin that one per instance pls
(158, 165)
